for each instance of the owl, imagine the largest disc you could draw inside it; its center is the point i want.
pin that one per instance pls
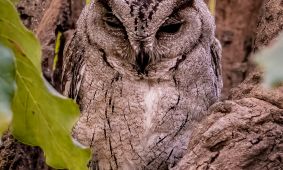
(142, 71)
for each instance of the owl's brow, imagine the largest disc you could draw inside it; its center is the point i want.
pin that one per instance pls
(183, 4)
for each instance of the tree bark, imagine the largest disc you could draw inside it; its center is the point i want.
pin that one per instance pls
(244, 132)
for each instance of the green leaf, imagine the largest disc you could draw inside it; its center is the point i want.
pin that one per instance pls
(14, 1)
(271, 60)
(42, 117)
(7, 87)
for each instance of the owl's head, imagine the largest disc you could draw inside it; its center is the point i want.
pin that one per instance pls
(146, 38)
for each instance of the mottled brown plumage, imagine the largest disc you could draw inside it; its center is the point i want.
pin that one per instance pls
(142, 72)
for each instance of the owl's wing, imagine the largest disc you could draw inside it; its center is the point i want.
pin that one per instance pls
(73, 68)
(216, 51)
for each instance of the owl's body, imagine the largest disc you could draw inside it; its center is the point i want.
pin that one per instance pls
(142, 72)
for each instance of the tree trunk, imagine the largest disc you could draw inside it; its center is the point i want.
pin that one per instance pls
(244, 132)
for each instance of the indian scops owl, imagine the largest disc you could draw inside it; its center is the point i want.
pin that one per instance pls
(142, 71)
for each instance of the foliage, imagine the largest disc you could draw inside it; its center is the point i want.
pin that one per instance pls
(7, 87)
(14, 1)
(271, 60)
(41, 117)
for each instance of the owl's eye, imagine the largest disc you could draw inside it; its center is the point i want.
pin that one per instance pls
(170, 27)
(113, 22)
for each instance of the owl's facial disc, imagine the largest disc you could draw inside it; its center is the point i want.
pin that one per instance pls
(146, 33)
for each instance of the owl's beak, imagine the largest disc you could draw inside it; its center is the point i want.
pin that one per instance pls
(142, 61)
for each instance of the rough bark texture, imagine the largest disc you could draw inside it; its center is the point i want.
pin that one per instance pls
(244, 132)
(240, 134)
(17, 156)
